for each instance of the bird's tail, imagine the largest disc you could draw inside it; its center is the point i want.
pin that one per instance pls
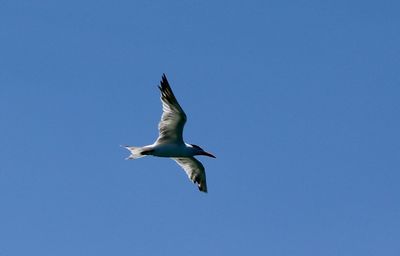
(136, 152)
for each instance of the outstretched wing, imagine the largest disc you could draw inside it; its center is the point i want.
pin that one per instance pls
(195, 171)
(173, 118)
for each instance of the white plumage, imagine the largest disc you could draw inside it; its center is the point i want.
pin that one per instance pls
(170, 140)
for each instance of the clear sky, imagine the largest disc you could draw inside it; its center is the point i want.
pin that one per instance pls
(299, 101)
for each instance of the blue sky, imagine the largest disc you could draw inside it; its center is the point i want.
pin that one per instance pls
(299, 101)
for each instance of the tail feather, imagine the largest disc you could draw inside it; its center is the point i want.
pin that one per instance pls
(136, 152)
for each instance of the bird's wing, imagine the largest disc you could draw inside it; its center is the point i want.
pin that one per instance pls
(173, 118)
(195, 171)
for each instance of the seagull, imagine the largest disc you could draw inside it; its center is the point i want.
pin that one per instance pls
(170, 141)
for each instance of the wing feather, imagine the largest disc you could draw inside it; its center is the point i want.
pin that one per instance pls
(195, 171)
(173, 118)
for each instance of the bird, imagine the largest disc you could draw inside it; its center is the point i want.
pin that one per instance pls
(170, 141)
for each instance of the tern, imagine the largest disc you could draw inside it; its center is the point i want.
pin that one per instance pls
(170, 141)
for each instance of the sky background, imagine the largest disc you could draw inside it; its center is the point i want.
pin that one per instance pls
(299, 101)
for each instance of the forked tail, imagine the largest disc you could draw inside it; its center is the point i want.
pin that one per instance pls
(136, 152)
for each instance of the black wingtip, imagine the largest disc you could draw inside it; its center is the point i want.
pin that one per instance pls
(203, 189)
(164, 81)
(202, 186)
(164, 77)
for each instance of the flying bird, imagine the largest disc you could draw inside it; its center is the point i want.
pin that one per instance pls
(170, 141)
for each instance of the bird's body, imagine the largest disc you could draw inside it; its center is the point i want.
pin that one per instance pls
(170, 141)
(167, 150)
(173, 150)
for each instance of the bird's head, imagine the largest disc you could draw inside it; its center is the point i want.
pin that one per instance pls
(199, 151)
